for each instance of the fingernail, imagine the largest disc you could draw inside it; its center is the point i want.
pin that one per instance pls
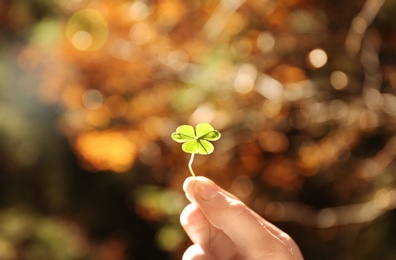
(205, 190)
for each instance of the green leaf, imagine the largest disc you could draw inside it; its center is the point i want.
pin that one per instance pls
(183, 134)
(203, 129)
(212, 136)
(198, 143)
(205, 147)
(190, 146)
(198, 146)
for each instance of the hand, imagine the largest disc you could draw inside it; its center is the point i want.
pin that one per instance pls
(222, 227)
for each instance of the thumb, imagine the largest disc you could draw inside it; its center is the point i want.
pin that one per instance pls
(236, 220)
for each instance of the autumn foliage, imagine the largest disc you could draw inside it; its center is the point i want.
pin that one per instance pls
(303, 92)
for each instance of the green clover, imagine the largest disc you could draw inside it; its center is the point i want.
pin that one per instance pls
(198, 141)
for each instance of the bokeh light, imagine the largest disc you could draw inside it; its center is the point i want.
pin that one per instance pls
(92, 99)
(169, 238)
(87, 30)
(302, 91)
(107, 150)
(339, 80)
(317, 58)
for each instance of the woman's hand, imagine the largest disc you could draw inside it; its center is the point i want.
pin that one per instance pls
(222, 227)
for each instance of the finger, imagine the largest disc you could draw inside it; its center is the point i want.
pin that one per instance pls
(237, 221)
(196, 225)
(188, 187)
(206, 235)
(195, 252)
(281, 235)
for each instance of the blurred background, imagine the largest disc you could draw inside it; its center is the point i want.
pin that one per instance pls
(303, 92)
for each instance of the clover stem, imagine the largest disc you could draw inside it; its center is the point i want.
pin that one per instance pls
(190, 164)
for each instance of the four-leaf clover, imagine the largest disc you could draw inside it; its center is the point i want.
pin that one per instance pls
(198, 141)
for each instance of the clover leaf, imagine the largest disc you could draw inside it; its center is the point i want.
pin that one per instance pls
(198, 141)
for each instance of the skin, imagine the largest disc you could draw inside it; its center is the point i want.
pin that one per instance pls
(222, 227)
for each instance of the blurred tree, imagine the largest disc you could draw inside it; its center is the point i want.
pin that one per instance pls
(302, 91)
